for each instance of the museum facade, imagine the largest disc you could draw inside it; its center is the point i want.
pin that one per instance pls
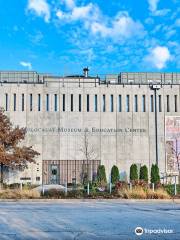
(79, 122)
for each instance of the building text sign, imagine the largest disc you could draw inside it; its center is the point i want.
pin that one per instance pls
(92, 130)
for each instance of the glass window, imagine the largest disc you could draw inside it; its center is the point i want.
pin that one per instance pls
(168, 107)
(112, 103)
(6, 102)
(47, 102)
(175, 103)
(152, 103)
(87, 102)
(39, 102)
(160, 104)
(14, 101)
(127, 103)
(71, 102)
(22, 102)
(143, 103)
(64, 102)
(31, 102)
(95, 103)
(120, 103)
(136, 103)
(104, 103)
(55, 103)
(80, 103)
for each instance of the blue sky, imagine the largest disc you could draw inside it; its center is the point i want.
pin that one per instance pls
(109, 36)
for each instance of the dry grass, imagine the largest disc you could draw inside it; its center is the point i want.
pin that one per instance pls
(138, 193)
(19, 194)
(141, 193)
(158, 194)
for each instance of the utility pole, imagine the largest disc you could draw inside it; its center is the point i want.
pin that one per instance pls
(155, 88)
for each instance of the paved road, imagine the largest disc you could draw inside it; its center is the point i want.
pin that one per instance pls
(104, 220)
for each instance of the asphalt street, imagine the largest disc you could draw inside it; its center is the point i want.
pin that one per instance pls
(91, 220)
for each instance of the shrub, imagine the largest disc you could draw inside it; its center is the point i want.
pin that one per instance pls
(121, 185)
(140, 183)
(133, 172)
(100, 195)
(143, 173)
(19, 194)
(114, 174)
(101, 176)
(139, 192)
(155, 178)
(170, 188)
(75, 194)
(158, 194)
(53, 193)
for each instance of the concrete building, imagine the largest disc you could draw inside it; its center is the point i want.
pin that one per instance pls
(79, 122)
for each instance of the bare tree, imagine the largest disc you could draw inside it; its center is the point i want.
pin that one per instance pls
(174, 153)
(89, 154)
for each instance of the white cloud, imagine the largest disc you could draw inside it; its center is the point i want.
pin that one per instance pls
(122, 26)
(81, 12)
(40, 8)
(70, 3)
(161, 12)
(26, 64)
(153, 5)
(119, 27)
(158, 57)
(87, 13)
(177, 23)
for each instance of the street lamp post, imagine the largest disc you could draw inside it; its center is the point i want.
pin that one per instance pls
(155, 88)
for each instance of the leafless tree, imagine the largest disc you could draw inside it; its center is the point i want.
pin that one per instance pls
(89, 154)
(175, 155)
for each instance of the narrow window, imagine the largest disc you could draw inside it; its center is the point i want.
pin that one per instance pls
(120, 103)
(95, 103)
(175, 103)
(23, 102)
(104, 103)
(47, 102)
(112, 103)
(39, 102)
(136, 103)
(31, 102)
(143, 103)
(6, 102)
(127, 103)
(55, 103)
(80, 103)
(14, 101)
(71, 102)
(152, 103)
(160, 104)
(87, 102)
(64, 102)
(168, 107)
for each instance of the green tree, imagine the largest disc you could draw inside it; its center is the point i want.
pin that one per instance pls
(143, 173)
(133, 172)
(114, 174)
(101, 175)
(155, 178)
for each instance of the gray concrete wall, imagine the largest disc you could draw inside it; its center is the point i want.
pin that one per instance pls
(119, 148)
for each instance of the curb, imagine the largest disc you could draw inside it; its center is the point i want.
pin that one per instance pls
(120, 201)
